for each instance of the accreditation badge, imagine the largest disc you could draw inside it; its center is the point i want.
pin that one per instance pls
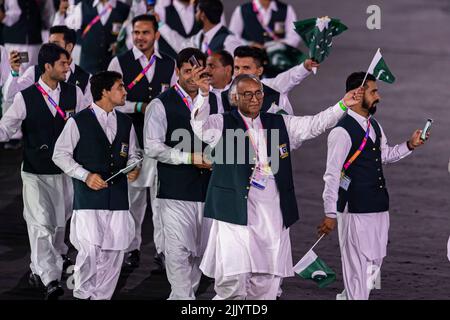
(345, 181)
(284, 153)
(260, 176)
(124, 150)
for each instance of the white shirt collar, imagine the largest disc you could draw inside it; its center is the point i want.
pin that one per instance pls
(361, 119)
(180, 6)
(272, 6)
(211, 33)
(138, 53)
(112, 2)
(184, 92)
(248, 119)
(47, 88)
(220, 90)
(100, 112)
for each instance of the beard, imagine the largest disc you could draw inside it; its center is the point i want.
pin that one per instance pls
(372, 108)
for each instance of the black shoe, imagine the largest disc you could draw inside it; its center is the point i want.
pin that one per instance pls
(67, 262)
(132, 259)
(35, 281)
(54, 290)
(160, 261)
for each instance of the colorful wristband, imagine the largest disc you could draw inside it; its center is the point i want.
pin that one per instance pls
(14, 73)
(342, 105)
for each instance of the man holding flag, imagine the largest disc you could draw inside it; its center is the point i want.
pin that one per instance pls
(41, 112)
(355, 188)
(146, 74)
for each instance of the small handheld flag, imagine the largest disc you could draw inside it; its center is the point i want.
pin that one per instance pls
(127, 169)
(313, 268)
(379, 69)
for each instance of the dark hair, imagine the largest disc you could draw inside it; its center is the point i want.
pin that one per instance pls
(212, 9)
(148, 18)
(50, 53)
(356, 78)
(104, 80)
(184, 55)
(258, 55)
(70, 36)
(226, 59)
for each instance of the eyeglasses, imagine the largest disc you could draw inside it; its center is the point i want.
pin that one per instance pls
(248, 95)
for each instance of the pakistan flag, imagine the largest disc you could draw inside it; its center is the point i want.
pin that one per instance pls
(379, 69)
(311, 267)
(318, 33)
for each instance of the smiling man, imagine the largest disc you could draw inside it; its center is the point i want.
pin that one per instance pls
(159, 74)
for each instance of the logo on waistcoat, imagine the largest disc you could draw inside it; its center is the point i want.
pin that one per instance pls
(124, 150)
(283, 150)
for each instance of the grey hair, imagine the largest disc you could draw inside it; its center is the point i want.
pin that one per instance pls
(233, 87)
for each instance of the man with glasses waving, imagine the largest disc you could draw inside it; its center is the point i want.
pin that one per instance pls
(251, 196)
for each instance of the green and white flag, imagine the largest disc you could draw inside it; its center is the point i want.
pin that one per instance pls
(379, 69)
(313, 268)
(318, 33)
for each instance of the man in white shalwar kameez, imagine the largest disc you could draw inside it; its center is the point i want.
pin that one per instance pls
(249, 249)
(183, 180)
(47, 192)
(93, 146)
(359, 199)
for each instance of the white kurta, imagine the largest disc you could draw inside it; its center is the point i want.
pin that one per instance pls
(100, 236)
(185, 229)
(363, 237)
(17, 84)
(148, 176)
(263, 246)
(47, 198)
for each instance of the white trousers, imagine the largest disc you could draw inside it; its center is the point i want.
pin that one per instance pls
(96, 271)
(47, 203)
(247, 286)
(185, 231)
(360, 274)
(138, 205)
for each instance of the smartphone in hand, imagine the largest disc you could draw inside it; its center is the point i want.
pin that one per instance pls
(426, 129)
(23, 57)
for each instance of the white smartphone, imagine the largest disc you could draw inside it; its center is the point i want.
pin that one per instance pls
(426, 129)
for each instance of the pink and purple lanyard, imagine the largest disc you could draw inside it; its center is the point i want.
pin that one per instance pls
(52, 102)
(360, 149)
(183, 97)
(142, 73)
(261, 21)
(96, 19)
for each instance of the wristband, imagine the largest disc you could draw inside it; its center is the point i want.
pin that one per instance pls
(14, 73)
(343, 106)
